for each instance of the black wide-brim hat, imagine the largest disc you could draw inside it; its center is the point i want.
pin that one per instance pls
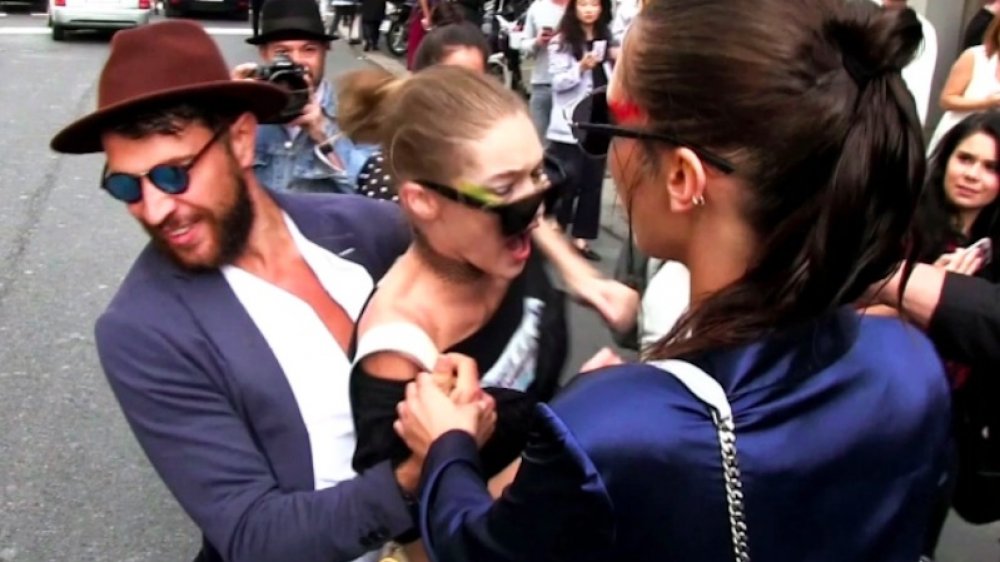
(158, 64)
(282, 20)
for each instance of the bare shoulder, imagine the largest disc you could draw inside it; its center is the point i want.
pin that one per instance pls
(392, 305)
(391, 366)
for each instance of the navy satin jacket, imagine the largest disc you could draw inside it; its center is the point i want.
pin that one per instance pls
(841, 424)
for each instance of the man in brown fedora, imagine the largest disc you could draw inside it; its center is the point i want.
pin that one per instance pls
(226, 344)
(306, 154)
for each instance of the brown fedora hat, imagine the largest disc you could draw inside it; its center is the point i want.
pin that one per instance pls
(163, 63)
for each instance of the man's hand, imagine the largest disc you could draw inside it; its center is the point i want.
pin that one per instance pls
(312, 120)
(244, 71)
(408, 474)
(457, 376)
(427, 414)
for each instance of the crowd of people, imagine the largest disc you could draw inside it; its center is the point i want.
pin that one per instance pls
(345, 340)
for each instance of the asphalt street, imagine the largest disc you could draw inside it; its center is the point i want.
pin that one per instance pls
(74, 485)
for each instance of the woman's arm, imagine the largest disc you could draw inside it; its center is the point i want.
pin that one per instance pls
(556, 508)
(566, 71)
(953, 95)
(567, 260)
(617, 303)
(425, 13)
(961, 313)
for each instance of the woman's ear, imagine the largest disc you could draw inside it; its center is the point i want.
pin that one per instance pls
(418, 202)
(242, 138)
(686, 179)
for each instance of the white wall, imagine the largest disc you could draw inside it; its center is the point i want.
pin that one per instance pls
(949, 18)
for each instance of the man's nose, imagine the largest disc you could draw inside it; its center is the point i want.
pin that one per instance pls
(156, 205)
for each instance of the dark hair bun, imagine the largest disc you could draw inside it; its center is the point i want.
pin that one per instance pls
(876, 40)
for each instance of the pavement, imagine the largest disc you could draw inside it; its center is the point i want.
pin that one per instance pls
(74, 485)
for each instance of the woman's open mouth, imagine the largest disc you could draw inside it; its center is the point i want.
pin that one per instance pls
(519, 246)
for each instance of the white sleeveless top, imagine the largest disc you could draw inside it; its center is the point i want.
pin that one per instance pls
(982, 84)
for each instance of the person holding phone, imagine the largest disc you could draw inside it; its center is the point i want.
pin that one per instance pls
(956, 223)
(579, 63)
(539, 28)
(958, 212)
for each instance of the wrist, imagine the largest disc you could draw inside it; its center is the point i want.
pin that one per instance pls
(317, 132)
(888, 295)
(408, 476)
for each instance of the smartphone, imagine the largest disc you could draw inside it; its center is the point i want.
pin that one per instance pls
(600, 49)
(985, 247)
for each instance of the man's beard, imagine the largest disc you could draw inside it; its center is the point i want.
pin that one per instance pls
(230, 230)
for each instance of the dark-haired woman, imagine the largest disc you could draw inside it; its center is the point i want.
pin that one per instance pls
(580, 60)
(774, 422)
(958, 209)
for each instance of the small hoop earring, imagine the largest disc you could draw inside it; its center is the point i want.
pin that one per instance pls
(698, 200)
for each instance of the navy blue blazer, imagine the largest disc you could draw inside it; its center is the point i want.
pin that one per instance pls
(212, 409)
(841, 426)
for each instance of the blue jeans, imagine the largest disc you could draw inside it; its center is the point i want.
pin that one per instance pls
(541, 108)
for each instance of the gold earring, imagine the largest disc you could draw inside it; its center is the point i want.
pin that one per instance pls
(698, 200)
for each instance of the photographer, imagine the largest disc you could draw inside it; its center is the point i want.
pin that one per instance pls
(304, 150)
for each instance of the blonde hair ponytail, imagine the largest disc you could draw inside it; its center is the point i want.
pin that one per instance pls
(363, 101)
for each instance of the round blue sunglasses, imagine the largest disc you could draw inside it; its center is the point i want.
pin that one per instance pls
(173, 179)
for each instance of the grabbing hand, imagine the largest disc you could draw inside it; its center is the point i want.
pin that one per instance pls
(963, 261)
(617, 303)
(606, 357)
(457, 376)
(427, 414)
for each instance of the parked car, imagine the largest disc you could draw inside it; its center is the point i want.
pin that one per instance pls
(74, 15)
(31, 5)
(238, 9)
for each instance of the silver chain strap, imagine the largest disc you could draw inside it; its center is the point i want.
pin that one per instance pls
(734, 485)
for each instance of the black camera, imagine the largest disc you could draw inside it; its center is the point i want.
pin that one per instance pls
(290, 76)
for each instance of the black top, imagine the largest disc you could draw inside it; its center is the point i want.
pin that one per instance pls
(524, 345)
(977, 28)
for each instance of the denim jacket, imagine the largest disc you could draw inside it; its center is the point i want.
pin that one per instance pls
(287, 163)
